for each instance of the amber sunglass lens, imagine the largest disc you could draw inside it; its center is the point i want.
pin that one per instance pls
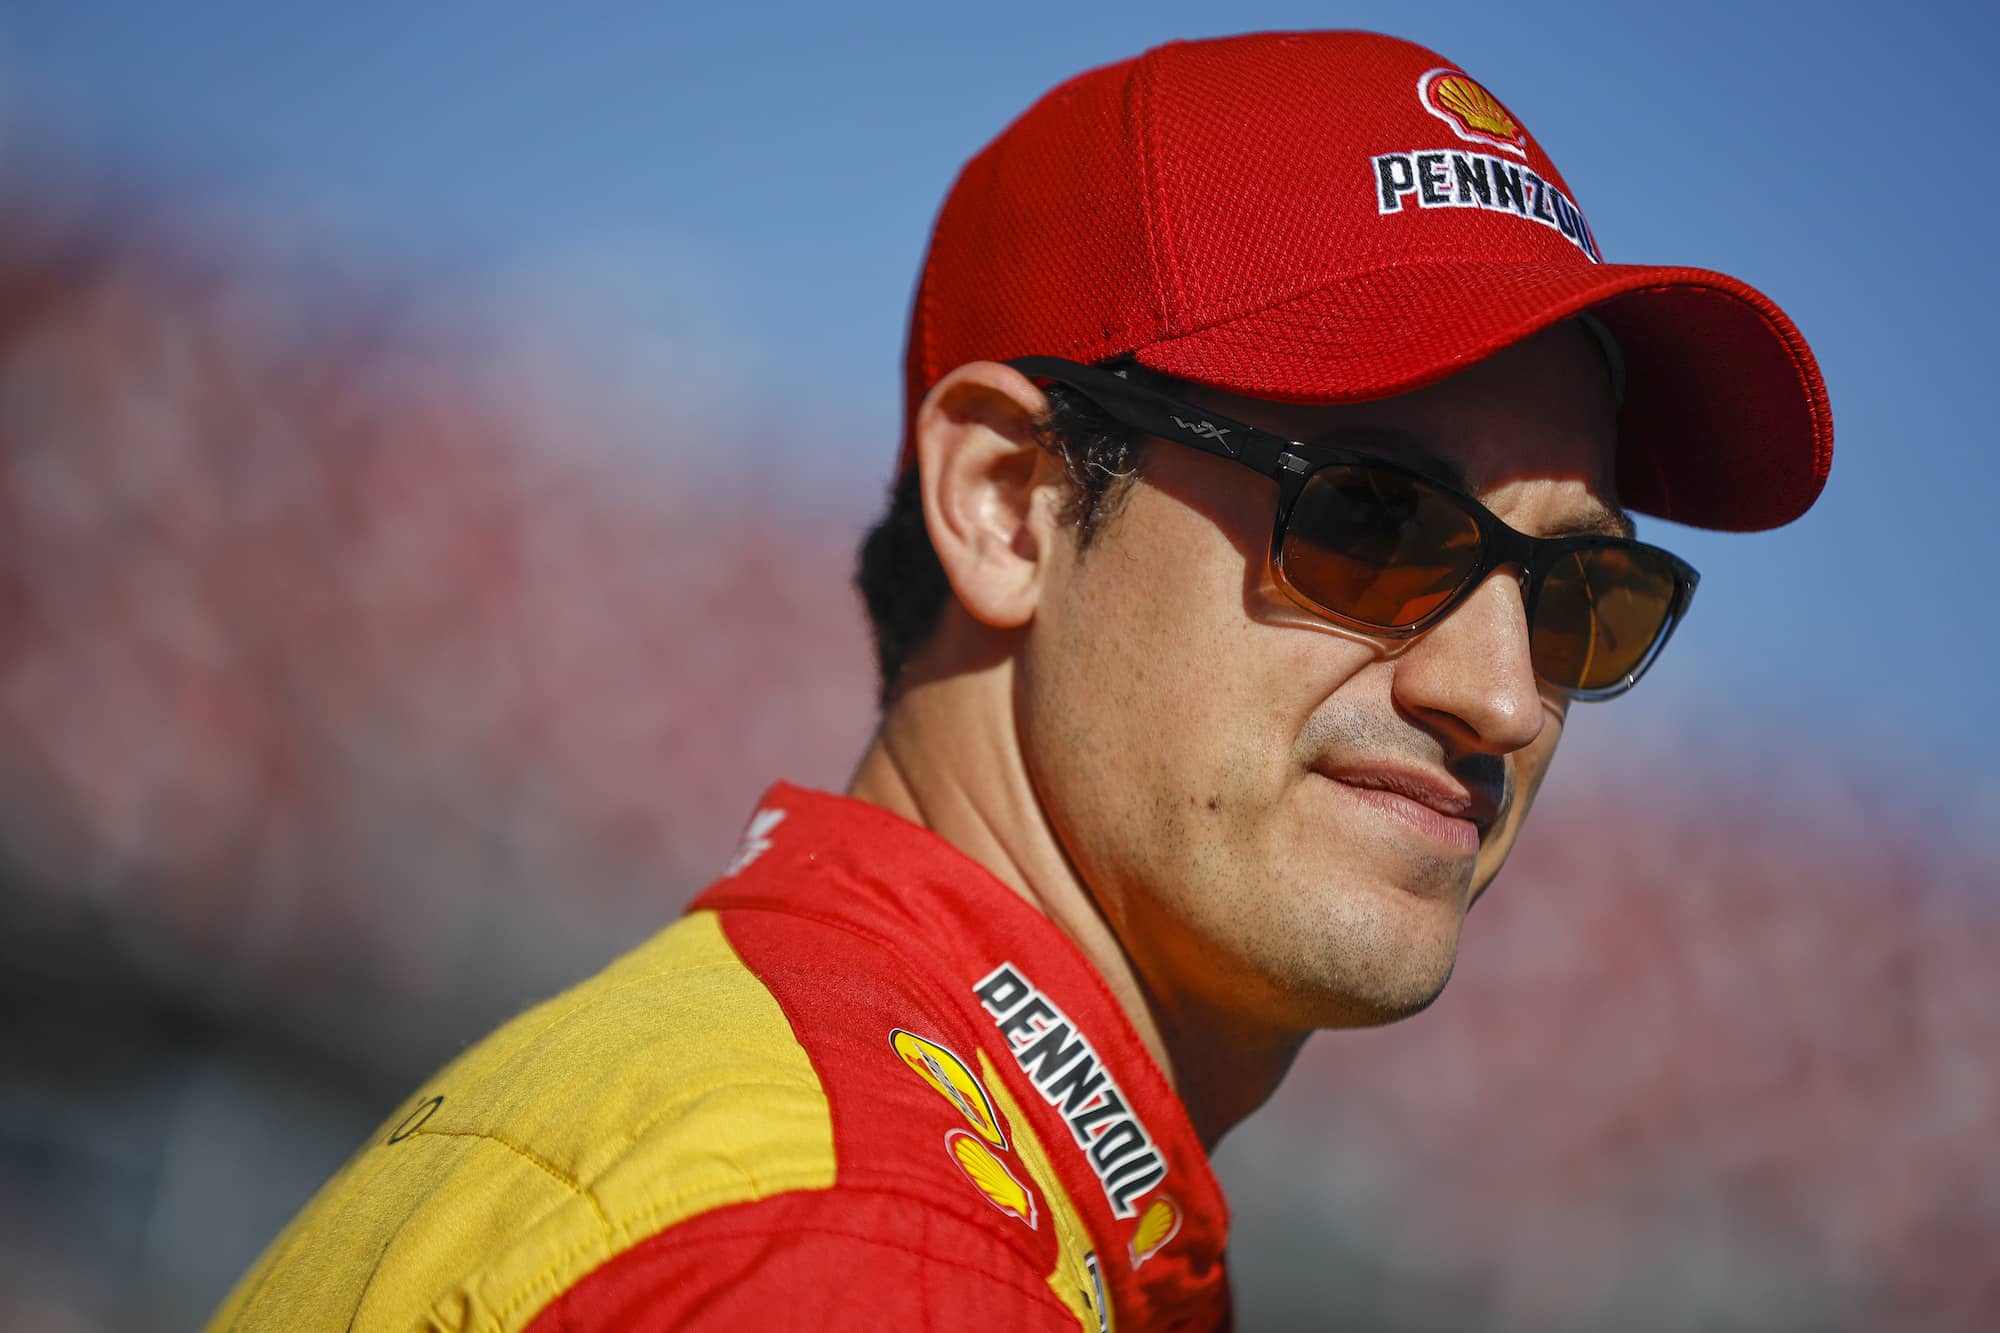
(1599, 611)
(1377, 546)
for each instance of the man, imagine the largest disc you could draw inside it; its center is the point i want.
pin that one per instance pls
(1272, 424)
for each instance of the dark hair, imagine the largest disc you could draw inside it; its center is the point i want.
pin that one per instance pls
(899, 577)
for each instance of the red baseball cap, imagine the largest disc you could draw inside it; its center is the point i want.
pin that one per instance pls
(1330, 217)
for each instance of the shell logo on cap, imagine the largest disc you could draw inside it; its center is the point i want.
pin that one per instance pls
(943, 1070)
(990, 1176)
(1160, 1223)
(1474, 114)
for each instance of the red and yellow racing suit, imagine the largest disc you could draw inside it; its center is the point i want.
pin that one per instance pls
(862, 1084)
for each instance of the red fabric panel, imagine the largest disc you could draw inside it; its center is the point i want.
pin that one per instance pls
(834, 1259)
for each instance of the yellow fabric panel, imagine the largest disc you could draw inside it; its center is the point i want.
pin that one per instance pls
(668, 1085)
(1071, 1278)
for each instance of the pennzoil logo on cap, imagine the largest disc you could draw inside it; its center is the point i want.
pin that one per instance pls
(1474, 114)
(1461, 178)
(942, 1069)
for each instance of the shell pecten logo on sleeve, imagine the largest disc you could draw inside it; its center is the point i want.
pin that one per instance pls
(1474, 114)
(943, 1070)
(990, 1176)
(1160, 1223)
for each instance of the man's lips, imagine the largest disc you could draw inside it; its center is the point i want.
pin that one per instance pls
(1444, 807)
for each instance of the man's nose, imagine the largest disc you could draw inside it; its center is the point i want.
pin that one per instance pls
(1471, 674)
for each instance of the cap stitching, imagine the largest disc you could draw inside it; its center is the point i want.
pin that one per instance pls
(1169, 298)
(1139, 125)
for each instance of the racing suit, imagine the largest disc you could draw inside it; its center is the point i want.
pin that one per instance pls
(862, 1084)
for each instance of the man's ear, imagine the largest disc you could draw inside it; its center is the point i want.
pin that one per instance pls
(991, 491)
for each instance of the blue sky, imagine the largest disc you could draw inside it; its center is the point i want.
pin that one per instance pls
(767, 175)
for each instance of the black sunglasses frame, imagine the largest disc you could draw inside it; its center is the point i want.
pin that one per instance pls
(1291, 464)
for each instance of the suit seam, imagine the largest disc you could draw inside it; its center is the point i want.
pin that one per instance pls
(529, 1155)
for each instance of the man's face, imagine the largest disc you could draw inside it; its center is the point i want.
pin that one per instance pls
(1250, 793)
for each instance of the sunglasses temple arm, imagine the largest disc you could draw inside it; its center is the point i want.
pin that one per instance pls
(1136, 406)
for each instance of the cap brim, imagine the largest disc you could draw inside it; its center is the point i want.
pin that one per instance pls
(1725, 421)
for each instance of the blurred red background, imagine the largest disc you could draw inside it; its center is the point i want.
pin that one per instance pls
(369, 669)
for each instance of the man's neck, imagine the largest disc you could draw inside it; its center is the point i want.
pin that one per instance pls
(941, 761)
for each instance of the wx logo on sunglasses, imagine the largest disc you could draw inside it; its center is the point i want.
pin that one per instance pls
(1207, 430)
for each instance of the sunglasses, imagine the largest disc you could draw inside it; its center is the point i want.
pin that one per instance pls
(1388, 551)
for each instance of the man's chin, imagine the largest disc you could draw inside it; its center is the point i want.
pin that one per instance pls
(1381, 1012)
(1376, 999)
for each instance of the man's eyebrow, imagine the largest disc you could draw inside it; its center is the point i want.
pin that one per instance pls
(1401, 446)
(1607, 521)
